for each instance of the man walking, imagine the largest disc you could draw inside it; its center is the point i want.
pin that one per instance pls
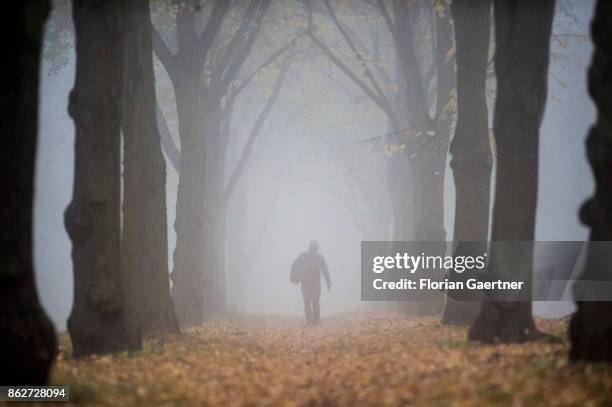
(307, 270)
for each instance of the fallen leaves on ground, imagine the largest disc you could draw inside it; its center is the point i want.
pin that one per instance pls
(348, 360)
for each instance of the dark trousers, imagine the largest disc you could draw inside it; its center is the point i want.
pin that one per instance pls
(311, 295)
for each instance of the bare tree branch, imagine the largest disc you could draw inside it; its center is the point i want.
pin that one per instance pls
(236, 40)
(226, 122)
(378, 59)
(185, 27)
(248, 147)
(361, 84)
(266, 63)
(387, 18)
(349, 41)
(356, 98)
(171, 150)
(375, 53)
(210, 31)
(163, 53)
(238, 59)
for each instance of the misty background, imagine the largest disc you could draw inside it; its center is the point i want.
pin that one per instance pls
(297, 186)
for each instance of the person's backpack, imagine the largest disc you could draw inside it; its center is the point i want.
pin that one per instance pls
(296, 271)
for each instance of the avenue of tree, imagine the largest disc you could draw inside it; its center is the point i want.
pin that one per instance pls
(434, 106)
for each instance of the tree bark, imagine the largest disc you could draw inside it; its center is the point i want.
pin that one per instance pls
(216, 146)
(96, 322)
(168, 145)
(27, 337)
(591, 326)
(427, 159)
(197, 261)
(148, 304)
(522, 34)
(402, 180)
(432, 163)
(471, 151)
(188, 276)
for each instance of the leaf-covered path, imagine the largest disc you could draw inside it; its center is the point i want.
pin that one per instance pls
(351, 360)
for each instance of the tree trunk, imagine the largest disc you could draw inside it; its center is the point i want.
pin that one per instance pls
(216, 251)
(428, 159)
(591, 326)
(236, 240)
(188, 276)
(96, 323)
(398, 181)
(27, 337)
(471, 152)
(522, 33)
(216, 144)
(413, 103)
(148, 304)
(432, 163)
(403, 180)
(409, 174)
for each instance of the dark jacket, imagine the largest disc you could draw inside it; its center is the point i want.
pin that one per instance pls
(307, 269)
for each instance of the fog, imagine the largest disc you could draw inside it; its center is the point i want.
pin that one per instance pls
(300, 183)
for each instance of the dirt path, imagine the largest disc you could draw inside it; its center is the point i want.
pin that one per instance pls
(351, 360)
